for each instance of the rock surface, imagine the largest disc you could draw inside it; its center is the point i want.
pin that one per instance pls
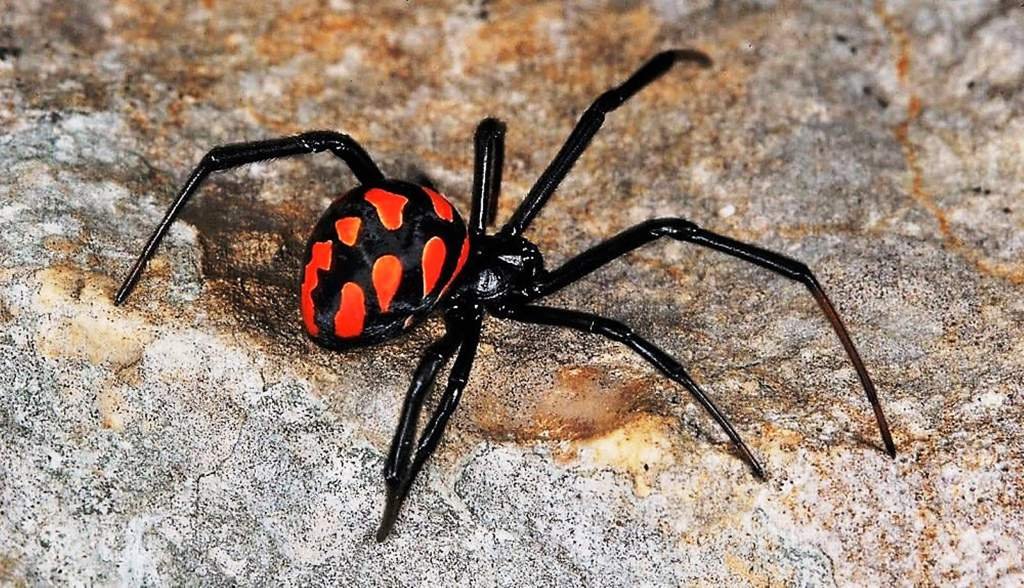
(195, 435)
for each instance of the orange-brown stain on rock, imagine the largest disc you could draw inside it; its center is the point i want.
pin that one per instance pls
(9, 572)
(315, 31)
(61, 244)
(513, 36)
(753, 574)
(772, 439)
(917, 189)
(585, 402)
(590, 416)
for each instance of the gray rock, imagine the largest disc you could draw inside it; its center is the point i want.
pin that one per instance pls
(195, 436)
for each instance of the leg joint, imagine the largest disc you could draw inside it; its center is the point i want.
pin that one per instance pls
(317, 141)
(674, 227)
(608, 102)
(214, 158)
(796, 270)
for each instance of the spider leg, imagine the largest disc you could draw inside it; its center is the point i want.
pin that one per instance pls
(489, 142)
(616, 331)
(433, 359)
(397, 461)
(588, 125)
(683, 230)
(234, 155)
(400, 472)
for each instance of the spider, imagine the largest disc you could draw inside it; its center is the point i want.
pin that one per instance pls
(389, 252)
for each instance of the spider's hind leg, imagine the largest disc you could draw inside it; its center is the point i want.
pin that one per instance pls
(234, 155)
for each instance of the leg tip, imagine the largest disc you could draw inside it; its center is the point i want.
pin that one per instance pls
(692, 55)
(491, 125)
(392, 504)
(890, 449)
(119, 296)
(890, 446)
(759, 472)
(122, 293)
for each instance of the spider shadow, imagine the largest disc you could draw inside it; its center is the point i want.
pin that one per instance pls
(253, 245)
(251, 256)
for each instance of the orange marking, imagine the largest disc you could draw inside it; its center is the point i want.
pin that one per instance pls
(442, 207)
(351, 312)
(319, 259)
(389, 207)
(463, 256)
(348, 229)
(387, 275)
(433, 260)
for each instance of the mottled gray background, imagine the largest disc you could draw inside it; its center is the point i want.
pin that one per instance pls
(195, 436)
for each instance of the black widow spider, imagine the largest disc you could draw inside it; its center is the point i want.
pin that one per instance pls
(388, 252)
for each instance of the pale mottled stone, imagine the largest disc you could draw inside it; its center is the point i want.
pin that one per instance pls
(193, 435)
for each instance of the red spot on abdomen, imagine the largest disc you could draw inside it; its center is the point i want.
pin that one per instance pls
(319, 259)
(433, 261)
(463, 256)
(348, 229)
(389, 207)
(442, 207)
(387, 275)
(348, 322)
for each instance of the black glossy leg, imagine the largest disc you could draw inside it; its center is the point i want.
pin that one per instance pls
(400, 472)
(431, 362)
(616, 331)
(489, 143)
(226, 157)
(683, 230)
(588, 126)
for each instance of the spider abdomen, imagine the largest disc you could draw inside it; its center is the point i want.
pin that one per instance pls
(378, 259)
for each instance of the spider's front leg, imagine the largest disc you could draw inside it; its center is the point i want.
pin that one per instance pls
(684, 230)
(489, 157)
(586, 128)
(402, 464)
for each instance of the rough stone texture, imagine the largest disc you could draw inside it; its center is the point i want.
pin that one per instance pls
(194, 435)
